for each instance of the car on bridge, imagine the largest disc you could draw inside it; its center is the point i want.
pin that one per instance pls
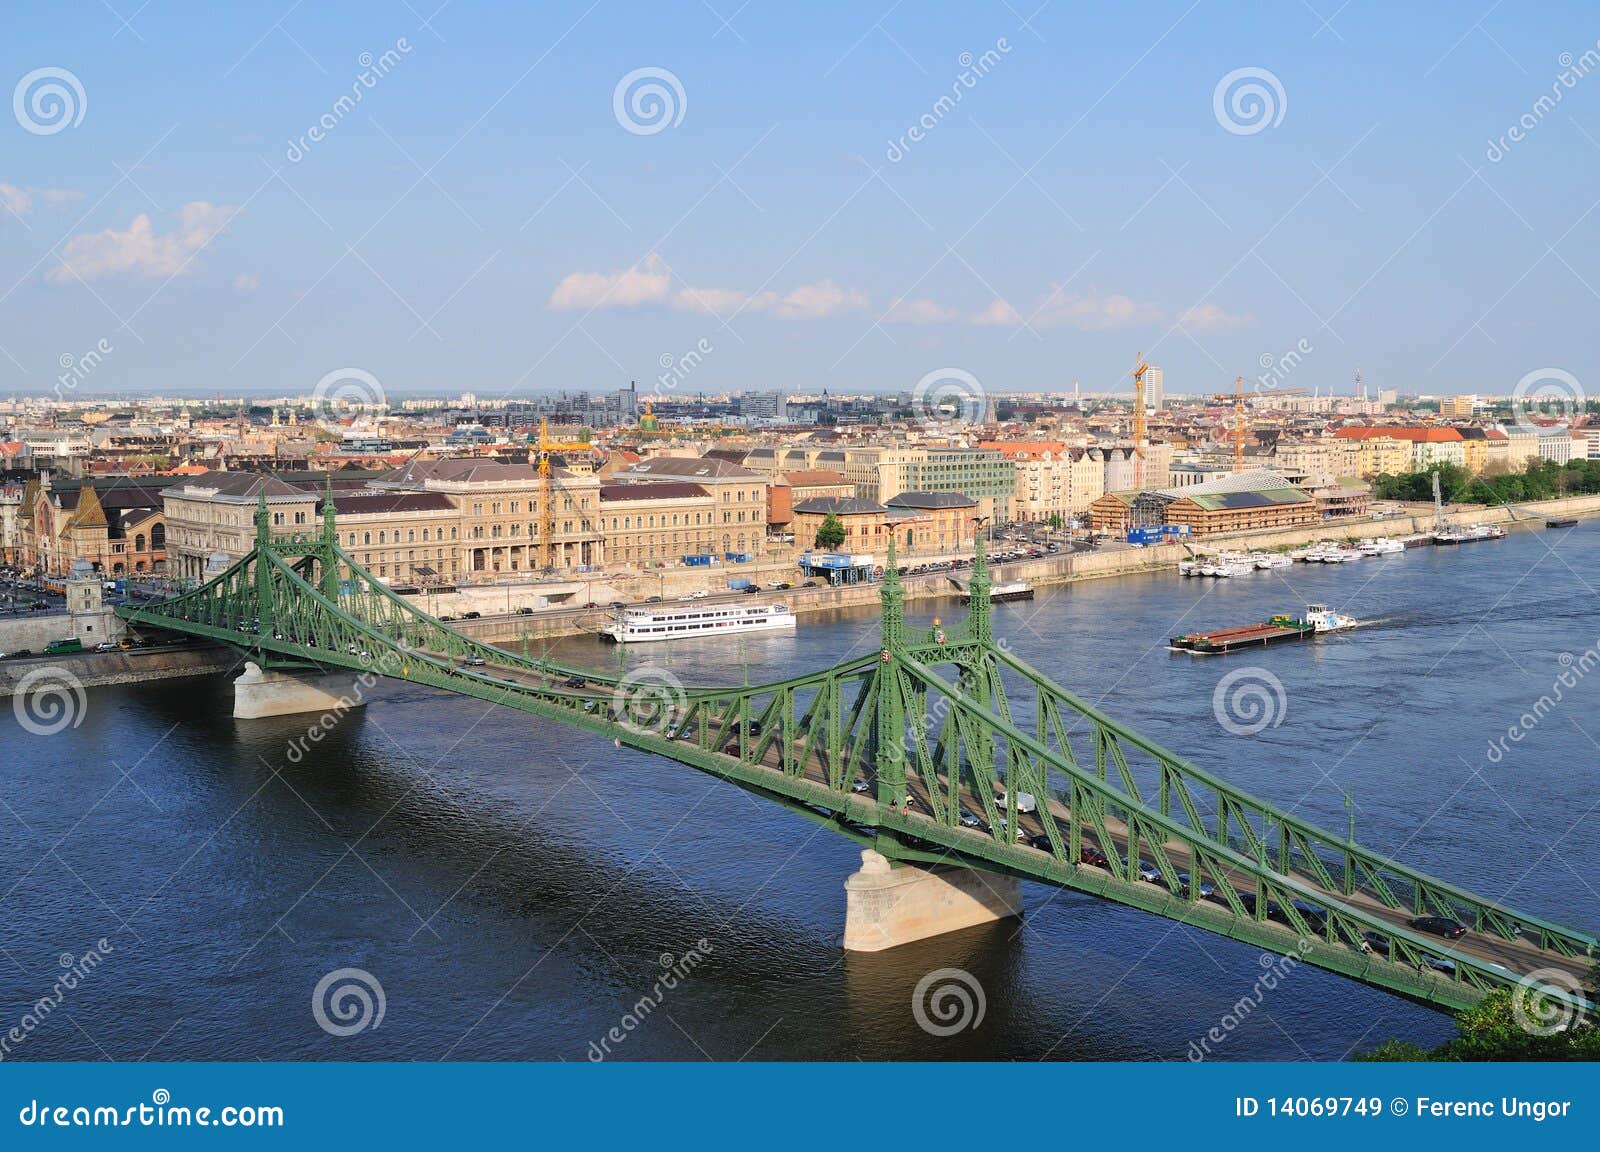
(1446, 926)
(573, 682)
(1207, 889)
(472, 661)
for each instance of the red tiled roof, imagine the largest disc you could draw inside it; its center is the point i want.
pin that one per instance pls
(1399, 432)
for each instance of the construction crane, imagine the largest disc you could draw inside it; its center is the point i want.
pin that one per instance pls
(1140, 434)
(1238, 415)
(542, 451)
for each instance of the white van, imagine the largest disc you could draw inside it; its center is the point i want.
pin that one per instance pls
(1025, 800)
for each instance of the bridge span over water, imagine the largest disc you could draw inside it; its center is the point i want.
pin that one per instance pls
(919, 752)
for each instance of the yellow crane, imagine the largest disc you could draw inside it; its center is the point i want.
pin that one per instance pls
(542, 451)
(1140, 435)
(1237, 396)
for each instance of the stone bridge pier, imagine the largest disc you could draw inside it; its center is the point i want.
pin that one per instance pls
(888, 903)
(258, 693)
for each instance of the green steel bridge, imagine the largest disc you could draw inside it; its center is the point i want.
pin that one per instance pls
(920, 750)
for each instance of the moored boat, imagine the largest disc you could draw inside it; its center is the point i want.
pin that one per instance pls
(663, 622)
(1380, 546)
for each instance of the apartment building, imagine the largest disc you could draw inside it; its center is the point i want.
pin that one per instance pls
(649, 525)
(740, 494)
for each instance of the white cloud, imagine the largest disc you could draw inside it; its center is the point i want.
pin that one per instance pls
(140, 250)
(20, 201)
(1094, 313)
(1211, 318)
(644, 283)
(921, 311)
(246, 282)
(819, 300)
(999, 314)
(15, 200)
(721, 301)
(650, 282)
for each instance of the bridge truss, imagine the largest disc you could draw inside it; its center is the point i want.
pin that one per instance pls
(926, 750)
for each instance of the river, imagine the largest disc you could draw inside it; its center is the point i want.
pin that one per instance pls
(513, 884)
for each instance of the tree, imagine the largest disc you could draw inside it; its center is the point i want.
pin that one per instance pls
(1495, 1029)
(830, 534)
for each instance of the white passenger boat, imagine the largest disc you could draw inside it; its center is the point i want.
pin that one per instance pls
(672, 622)
(1380, 546)
(1269, 560)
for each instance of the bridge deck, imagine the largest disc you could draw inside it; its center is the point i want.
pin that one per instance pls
(1519, 957)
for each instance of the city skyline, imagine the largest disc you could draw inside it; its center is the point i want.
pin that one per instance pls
(848, 202)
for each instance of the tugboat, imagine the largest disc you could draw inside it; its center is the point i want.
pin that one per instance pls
(1318, 619)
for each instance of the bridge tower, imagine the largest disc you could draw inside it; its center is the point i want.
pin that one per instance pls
(891, 902)
(328, 560)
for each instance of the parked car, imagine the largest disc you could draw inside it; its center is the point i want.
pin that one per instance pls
(1449, 928)
(524, 611)
(472, 615)
(752, 590)
(106, 646)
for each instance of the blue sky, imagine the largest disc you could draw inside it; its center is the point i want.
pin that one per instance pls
(483, 220)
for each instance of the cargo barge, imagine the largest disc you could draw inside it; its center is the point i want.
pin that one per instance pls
(1316, 621)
